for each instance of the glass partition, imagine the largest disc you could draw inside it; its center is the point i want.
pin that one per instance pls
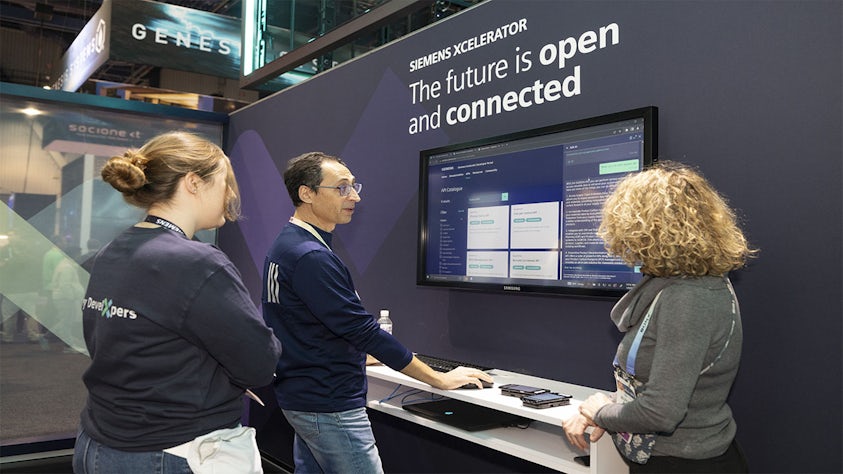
(272, 29)
(55, 213)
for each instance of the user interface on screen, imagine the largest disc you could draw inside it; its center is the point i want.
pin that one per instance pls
(521, 212)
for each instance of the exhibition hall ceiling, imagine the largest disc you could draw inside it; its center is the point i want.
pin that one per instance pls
(37, 32)
(44, 28)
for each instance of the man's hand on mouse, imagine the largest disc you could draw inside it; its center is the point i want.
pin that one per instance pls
(462, 376)
(448, 380)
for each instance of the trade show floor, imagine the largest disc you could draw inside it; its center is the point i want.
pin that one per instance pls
(41, 396)
(41, 390)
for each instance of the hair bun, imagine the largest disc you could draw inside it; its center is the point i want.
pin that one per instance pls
(136, 159)
(125, 173)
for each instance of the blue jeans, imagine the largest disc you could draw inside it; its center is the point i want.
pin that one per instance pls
(91, 457)
(340, 442)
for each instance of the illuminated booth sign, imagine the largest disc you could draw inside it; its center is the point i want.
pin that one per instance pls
(88, 52)
(108, 134)
(157, 34)
(175, 37)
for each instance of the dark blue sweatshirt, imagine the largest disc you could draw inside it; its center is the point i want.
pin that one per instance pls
(310, 302)
(174, 339)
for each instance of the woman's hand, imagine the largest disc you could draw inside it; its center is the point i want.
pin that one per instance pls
(575, 426)
(592, 405)
(575, 431)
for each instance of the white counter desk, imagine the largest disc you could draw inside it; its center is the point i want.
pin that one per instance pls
(543, 442)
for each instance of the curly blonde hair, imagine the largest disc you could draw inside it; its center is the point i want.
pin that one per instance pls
(672, 222)
(151, 174)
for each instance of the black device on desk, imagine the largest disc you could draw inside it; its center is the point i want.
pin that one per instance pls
(464, 415)
(546, 400)
(515, 390)
(440, 364)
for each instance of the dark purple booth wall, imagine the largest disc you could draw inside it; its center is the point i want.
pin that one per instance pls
(750, 92)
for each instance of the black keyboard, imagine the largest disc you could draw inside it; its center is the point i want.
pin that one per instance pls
(446, 365)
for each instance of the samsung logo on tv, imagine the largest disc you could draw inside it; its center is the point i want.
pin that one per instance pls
(511, 288)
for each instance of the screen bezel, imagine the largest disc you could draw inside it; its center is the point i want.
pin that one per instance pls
(649, 115)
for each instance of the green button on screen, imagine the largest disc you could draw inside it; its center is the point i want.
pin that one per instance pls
(618, 167)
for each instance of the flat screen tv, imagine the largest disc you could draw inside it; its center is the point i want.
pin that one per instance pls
(519, 212)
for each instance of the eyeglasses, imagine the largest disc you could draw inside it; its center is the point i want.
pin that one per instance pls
(345, 189)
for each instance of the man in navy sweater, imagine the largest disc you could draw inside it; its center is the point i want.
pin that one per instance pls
(310, 302)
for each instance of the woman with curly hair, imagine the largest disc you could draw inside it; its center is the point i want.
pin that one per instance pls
(680, 354)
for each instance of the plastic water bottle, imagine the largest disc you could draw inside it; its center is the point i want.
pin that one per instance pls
(384, 321)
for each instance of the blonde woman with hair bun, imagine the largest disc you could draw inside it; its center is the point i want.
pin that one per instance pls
(678, 359)
(174, 338)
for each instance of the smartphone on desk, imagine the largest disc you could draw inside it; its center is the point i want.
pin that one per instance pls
(514, 390)
(546, 400)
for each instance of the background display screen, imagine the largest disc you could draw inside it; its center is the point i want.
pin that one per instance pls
(520, 212)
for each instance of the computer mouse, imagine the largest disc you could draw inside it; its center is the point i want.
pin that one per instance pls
(471, 385)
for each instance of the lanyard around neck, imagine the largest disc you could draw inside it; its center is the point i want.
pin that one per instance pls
(164, 223)
(304, 225)
(636, 343)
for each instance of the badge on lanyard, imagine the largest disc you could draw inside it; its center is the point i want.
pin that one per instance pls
(636, 447)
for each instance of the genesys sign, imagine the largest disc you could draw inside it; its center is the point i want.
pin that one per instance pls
(156, 34)
(183, 39)
(174, 37)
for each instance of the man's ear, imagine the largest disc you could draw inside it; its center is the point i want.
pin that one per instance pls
(306, 193)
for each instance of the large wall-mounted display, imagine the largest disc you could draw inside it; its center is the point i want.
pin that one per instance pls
(520, 212)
